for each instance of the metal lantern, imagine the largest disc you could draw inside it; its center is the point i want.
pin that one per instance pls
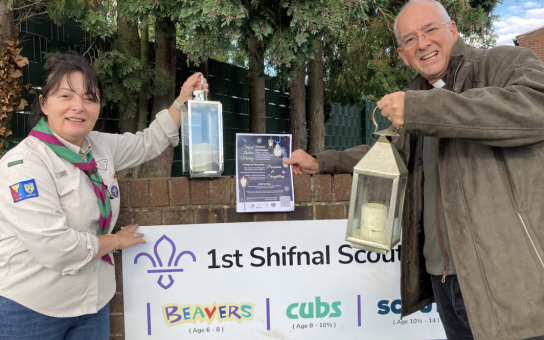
(377, 196)
(202, 136)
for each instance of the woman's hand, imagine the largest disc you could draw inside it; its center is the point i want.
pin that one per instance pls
(122, 239)
(128, 237)
(191, 84)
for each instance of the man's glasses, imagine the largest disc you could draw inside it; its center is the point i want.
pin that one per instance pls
(411, 40)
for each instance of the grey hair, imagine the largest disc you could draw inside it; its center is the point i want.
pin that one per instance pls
(441, 10)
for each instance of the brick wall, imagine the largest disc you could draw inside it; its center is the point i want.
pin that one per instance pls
(534, 41)
(163, 201)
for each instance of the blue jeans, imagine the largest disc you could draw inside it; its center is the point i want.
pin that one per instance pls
(18, 322)
(452, 310)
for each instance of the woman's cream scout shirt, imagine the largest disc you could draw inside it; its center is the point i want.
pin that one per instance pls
(48, 239)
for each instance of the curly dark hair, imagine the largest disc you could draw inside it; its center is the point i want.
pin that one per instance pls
(60, 65)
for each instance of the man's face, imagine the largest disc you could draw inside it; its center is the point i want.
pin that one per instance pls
(426, 40)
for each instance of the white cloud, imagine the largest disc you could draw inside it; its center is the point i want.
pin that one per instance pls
(531, 4)
(515, 10)
(506, 39)
(536, 13)
(511, 26)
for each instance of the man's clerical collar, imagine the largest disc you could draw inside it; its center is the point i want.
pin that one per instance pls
(440, 83)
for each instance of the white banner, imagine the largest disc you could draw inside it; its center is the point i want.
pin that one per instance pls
(281, 280)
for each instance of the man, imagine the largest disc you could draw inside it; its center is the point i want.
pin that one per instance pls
(472, 135)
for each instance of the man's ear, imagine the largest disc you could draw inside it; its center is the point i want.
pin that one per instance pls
(402, 54)
(453, 29)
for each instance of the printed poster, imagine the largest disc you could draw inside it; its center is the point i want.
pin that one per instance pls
(264, 183)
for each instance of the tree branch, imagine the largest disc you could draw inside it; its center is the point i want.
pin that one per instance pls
(28, 16)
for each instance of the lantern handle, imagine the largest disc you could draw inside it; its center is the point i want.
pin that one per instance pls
(374, 117)
(386, 132)
(201, 94)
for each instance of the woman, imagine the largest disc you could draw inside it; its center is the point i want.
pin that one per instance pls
(59, 201)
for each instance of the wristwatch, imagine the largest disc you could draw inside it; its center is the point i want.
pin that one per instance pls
(179, 106)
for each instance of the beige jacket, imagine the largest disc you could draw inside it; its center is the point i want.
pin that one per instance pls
(490, 161)
(48, 240)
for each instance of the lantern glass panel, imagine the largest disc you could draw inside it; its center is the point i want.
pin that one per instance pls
(372, 208)
(185, 143)
(202, 139)
(398, 211)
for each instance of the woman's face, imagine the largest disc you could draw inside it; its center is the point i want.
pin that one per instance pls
(71, 113)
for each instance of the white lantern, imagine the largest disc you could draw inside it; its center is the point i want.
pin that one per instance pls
(377, 196)
(202, 136)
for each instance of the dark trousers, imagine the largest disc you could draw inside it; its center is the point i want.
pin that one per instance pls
(452, 310)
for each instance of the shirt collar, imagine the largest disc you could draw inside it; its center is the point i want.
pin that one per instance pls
(438, 84)
(81, 151)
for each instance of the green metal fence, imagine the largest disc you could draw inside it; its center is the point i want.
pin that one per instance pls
(345, 128)
(348, 125)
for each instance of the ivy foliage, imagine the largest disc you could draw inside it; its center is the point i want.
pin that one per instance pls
(11, 72)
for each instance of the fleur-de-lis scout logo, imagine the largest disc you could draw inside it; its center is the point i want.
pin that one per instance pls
(168, 269)
(23, 190)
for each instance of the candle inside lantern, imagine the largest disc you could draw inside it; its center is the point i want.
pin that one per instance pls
(203, 157)
(373, 219)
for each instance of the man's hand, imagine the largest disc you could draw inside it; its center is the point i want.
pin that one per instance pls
(302, 163)
(392, 106)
